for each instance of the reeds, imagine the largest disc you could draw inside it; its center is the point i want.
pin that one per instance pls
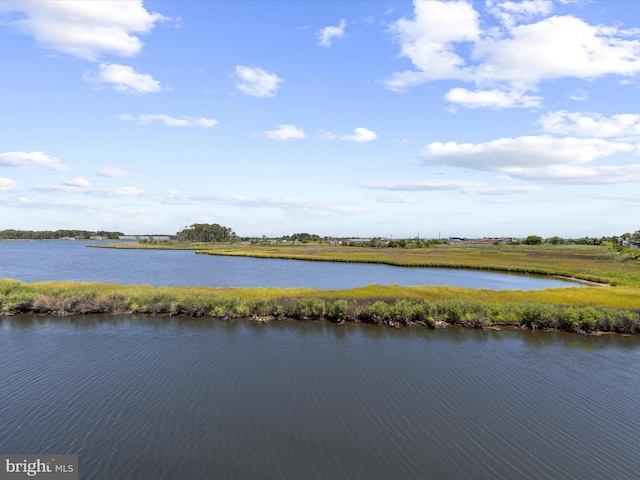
(391, 306)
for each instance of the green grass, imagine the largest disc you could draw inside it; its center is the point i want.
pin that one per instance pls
(588, 309)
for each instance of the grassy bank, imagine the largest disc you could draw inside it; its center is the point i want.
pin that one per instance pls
(592, 309)
(392, 306)
(597, 264)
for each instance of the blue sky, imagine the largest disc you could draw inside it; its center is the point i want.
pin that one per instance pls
(368, 118)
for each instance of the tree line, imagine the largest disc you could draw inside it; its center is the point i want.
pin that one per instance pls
(11, 234)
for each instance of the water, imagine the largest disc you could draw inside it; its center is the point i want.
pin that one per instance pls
(60, 260)
(150, 398)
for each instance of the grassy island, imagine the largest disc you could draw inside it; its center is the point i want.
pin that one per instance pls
(610, 304)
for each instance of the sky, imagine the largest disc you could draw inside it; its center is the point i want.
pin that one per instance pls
(386, 118)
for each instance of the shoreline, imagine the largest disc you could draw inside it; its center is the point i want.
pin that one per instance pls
(362, 256)
(396, 307)
(265, 319)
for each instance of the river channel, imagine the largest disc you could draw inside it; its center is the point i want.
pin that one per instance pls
(72, 260)
(147, 398)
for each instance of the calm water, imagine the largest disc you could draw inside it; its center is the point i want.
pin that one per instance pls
(41, 261)
(149, 398)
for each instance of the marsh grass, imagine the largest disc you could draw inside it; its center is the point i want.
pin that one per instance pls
(391, 306)
(585, 310)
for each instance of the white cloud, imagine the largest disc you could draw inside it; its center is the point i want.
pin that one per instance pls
(53, 189)
(494, 98)
(78, 182)
(560, 46)
(327, 34)
(82, 186)
(256, 82)
(360, 135)
(31, 160)
(510, 12)
(525, 152)
(565, 160)
(124, 78)
(110, 172)
(177, 197)
(579, 95)
(169, 121)
(580, 175)
(85, 29)
(117, 192)
(285, 132)
(393, 198)
(591, 124)
(461, 186)
(428, 39)
(424, 185)
(446, 41)
(7, 185)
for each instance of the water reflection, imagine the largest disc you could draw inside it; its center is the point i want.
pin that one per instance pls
(143, 397)
(538, 339)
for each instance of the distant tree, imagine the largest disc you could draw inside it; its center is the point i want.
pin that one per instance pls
(204, 232)
(305, 237)
(555, 240)
(532, 240)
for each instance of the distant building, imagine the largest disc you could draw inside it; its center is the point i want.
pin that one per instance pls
(144, 238)
(628, 243)
(481, 241)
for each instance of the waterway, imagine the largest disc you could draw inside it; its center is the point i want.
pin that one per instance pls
(155, 398)
(72, 260)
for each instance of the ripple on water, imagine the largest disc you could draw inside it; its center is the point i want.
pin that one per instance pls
(158, 398)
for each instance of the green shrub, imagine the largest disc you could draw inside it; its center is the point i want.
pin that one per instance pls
(536, 315)
(337, 310)
(377, 312)
(309, 308)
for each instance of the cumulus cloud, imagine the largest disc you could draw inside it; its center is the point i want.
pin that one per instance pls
(285, 132)
(327, 34)
(83, 29)
(567, 160)
(31, 160)
(124, 78)
(447, 41)
(505, 154)
(7, 185)
(461, 186)
(169, 121)
(360, 135)
(256, 82)
(428, 39)
(592, 124)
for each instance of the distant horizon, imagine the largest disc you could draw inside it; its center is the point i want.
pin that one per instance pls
(389, 118)
(358, 236)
